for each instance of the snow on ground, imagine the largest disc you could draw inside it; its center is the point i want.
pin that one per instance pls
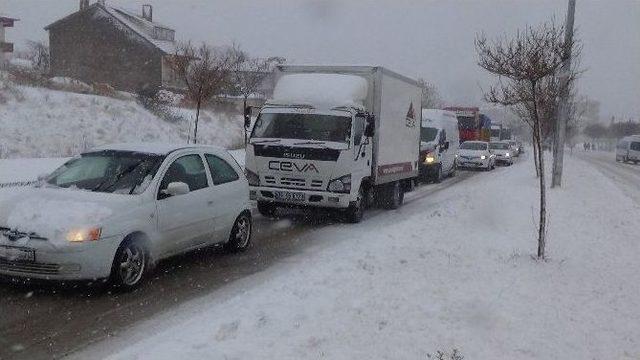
(39, 122)
(453, 270)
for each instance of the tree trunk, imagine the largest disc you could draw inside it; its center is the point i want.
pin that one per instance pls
(537, 131)
(244, 106)
(195, 131)
(535, 154)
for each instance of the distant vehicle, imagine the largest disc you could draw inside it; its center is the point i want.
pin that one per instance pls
(500, 132)
(468, 122)
(439, 143)
(628, 149)
(502, 151)
(516, 147)
(114, 211)
(476, 154)
(335, 137)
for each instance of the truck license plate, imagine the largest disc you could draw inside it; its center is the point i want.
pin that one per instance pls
(9, 253)
(289, 196)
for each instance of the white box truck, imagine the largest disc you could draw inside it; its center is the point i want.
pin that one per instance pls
(341, 137)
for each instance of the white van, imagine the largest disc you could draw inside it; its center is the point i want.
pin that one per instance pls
(628, 149)
(439, 143)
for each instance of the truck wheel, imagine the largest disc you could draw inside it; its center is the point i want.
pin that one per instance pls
(355, 211)
(267, 209)
(438, 176)
(394, 196)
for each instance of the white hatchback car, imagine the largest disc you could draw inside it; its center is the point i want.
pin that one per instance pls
(476, 154)
(114, 211)
(502, 151)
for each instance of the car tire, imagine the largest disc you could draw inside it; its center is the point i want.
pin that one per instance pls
(267, 209)
(393, 196)
(355, 211)
(240, 236)
(454, 168)
(130, 264)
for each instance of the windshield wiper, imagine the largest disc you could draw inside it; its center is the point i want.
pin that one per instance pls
(310, 143)
(266, 141)
(118, 177)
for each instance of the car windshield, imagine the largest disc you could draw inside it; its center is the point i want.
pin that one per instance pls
(313, 127)
(108, 171)
(428, 134)
(499, 146)
(473, 146)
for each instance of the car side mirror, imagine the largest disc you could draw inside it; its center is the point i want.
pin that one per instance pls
(370, 129)
(176, 188)
(247, 117)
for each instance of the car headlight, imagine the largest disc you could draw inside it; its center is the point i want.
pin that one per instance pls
(253, 178)
(483, 157)
(84, 234)
(341, 184)
(506, 155)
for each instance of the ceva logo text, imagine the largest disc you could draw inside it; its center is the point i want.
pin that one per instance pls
(291, 167)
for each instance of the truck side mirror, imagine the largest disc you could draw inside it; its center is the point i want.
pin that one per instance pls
(247, 117)
(370, 129)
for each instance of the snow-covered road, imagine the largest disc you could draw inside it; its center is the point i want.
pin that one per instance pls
(41, 322)
(625, 175)
(449, 270)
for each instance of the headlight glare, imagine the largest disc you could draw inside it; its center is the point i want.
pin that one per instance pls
(86, 234)
(483, 157)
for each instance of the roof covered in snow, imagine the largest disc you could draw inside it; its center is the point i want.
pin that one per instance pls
(321, 90)
(128, 20)
(154, 148)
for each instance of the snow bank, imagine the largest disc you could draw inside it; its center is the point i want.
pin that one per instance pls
(452, 270)
(321, 90)
(38, 122)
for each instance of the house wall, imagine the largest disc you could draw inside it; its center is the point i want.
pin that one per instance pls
(95, 48)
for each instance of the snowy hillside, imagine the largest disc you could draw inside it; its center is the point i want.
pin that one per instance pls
(38, 122)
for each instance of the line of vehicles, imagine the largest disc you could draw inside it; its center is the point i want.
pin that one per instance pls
(339, 137)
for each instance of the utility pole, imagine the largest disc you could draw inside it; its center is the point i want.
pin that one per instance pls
(563, 106)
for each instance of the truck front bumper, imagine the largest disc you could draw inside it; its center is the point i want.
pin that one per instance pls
(304, 198)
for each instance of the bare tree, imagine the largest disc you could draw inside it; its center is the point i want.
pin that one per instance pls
(431, 98)
(525, 64)
(205, 71)
(38, 54)
(249, 74)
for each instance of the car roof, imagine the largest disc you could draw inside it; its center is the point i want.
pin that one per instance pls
(155, 148)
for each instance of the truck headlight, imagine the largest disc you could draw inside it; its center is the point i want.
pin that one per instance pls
(506, 155)
(253, 178)
(430, 158)
(340, 185)
(483, 157)
(86, 234)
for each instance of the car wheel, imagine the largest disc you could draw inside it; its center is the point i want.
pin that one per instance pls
(454, 168)
(355, 211)
(240, 237)
(438, 176)
(129, 264)
(394, 196)
(267, 209)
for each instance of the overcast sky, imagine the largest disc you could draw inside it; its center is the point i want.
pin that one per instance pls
(430, 39)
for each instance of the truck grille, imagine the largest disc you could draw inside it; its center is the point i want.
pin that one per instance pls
(290, 182)
(29, 267)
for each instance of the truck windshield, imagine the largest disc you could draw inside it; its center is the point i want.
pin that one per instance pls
(467, 122)
(428, 134)
(303, 127)
(473, 146)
